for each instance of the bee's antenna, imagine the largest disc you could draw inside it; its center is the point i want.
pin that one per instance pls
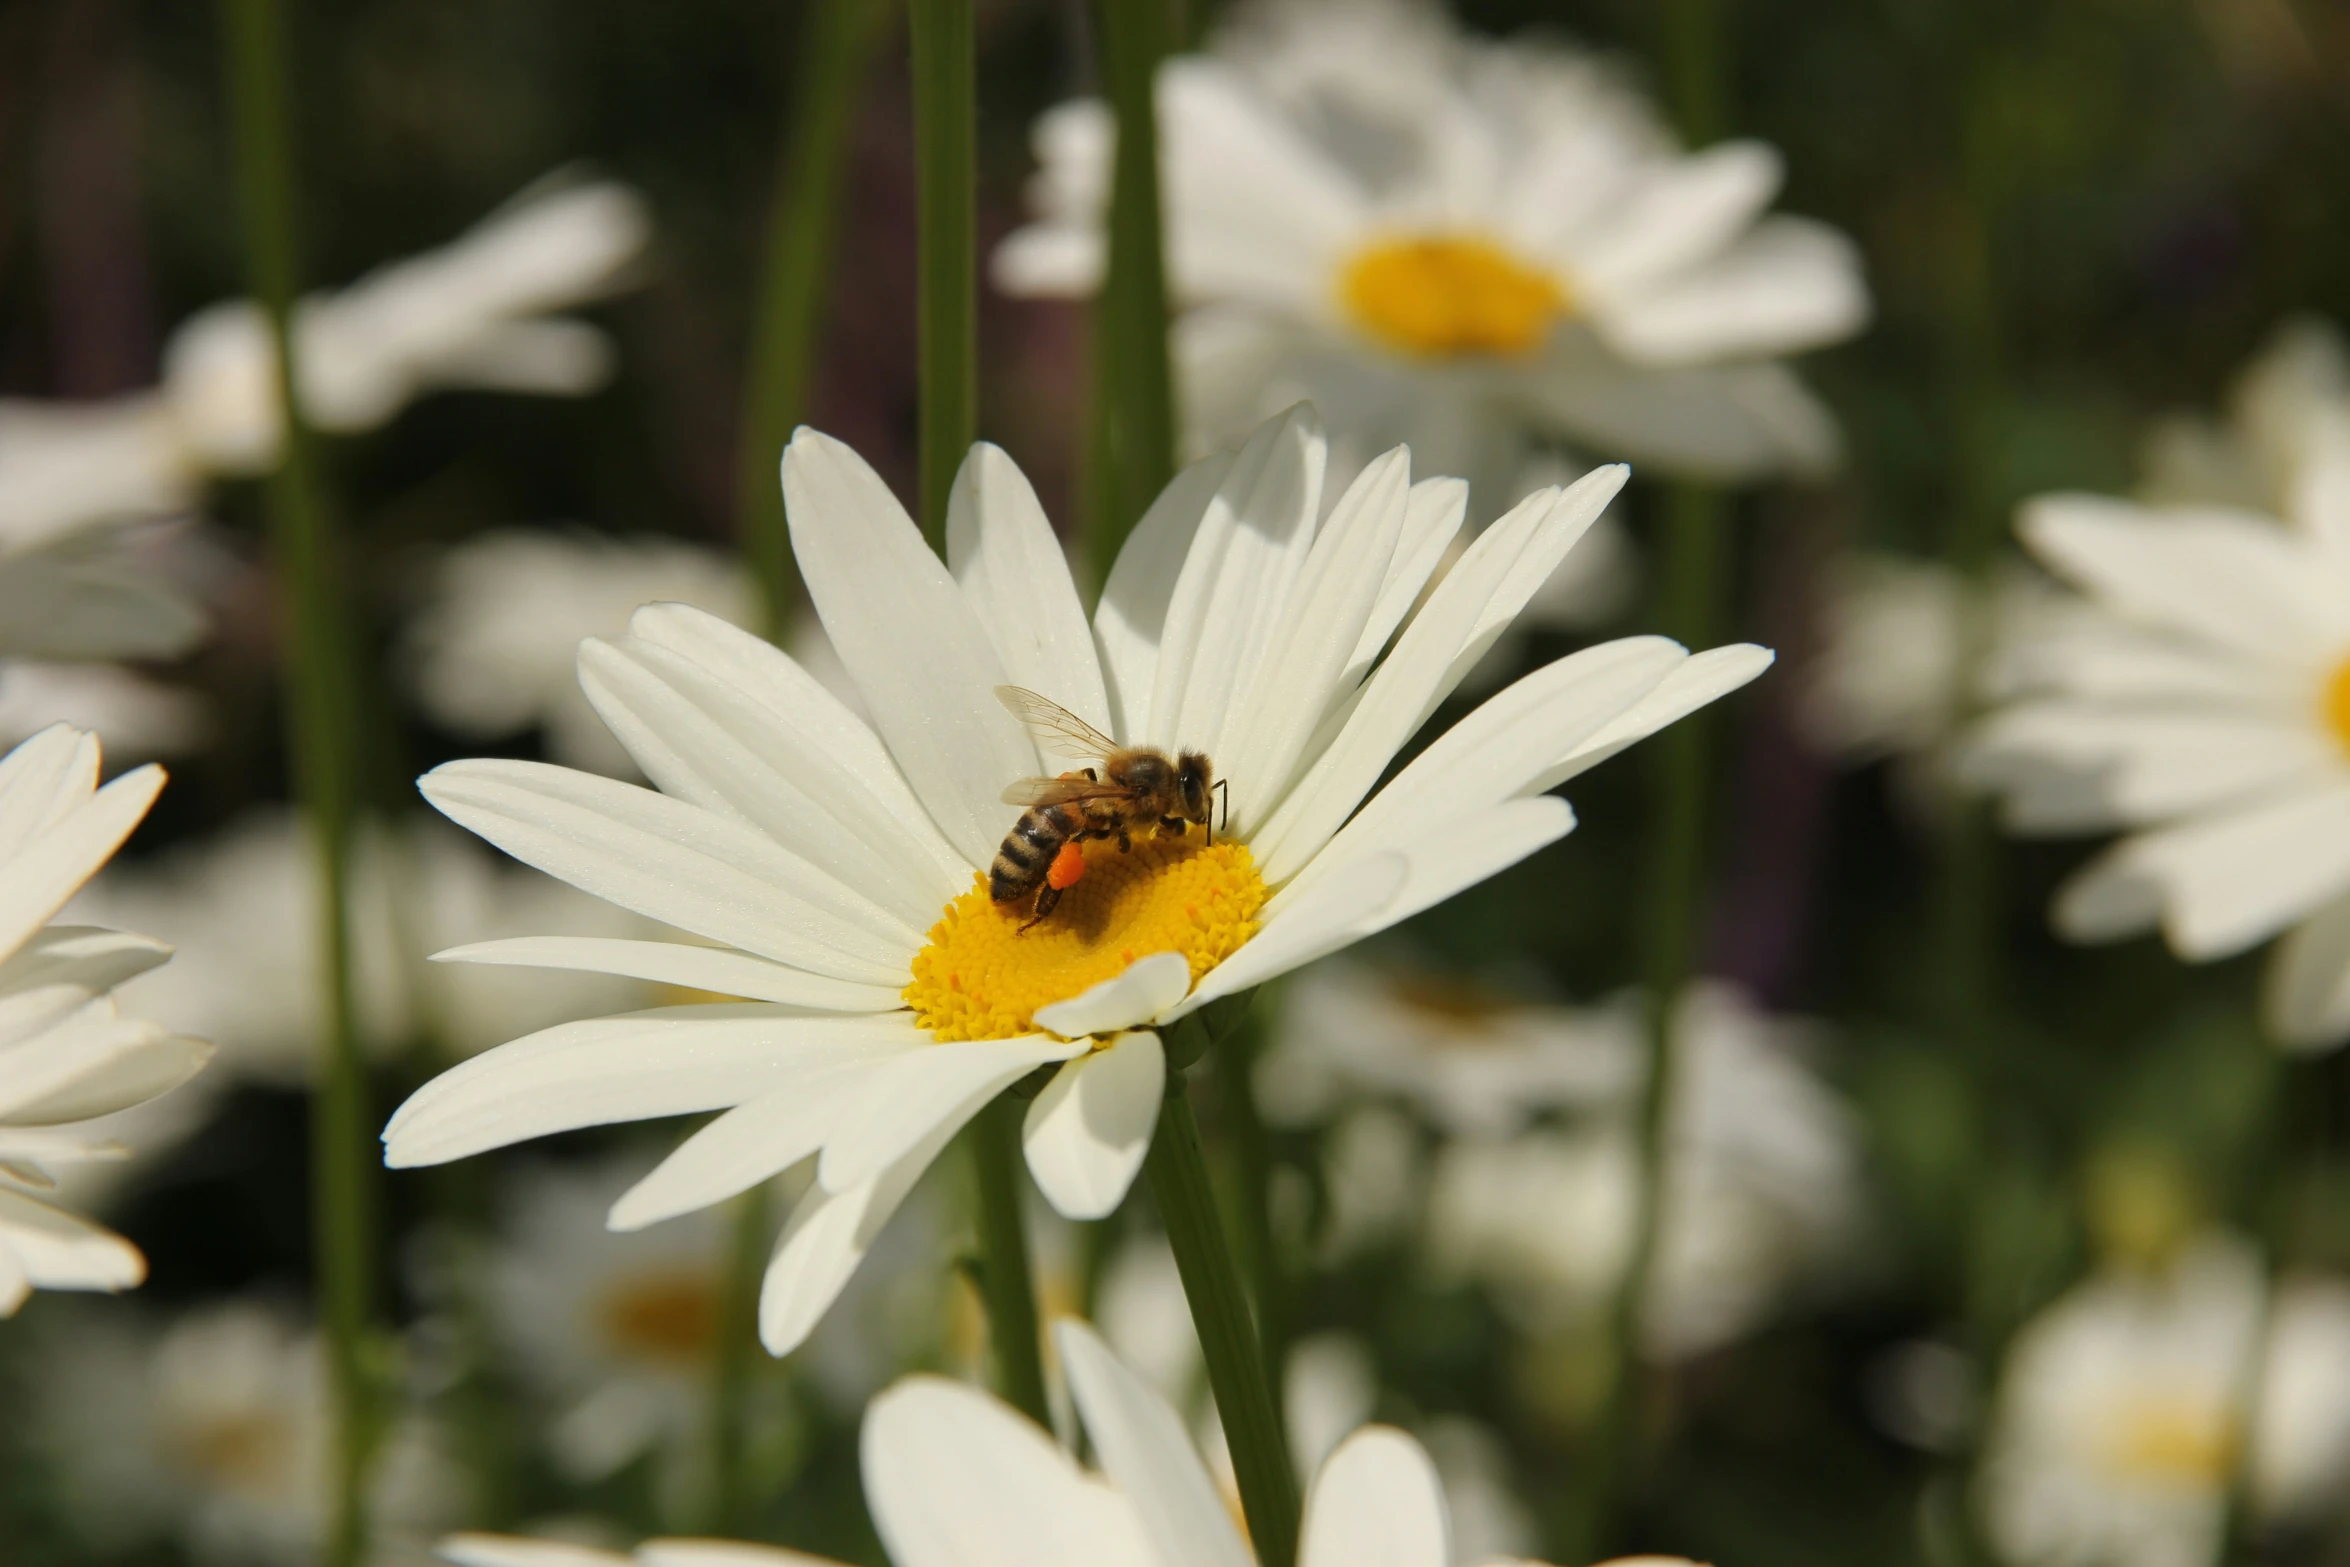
(1223, 787)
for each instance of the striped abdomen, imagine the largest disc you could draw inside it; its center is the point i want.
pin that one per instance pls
(1028, 849)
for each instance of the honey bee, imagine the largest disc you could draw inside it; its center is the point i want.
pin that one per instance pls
(1132, 787)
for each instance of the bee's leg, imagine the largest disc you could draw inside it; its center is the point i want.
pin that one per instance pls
(1125, 841)
(1173, 824)
(1047, 896)
(1090, 773)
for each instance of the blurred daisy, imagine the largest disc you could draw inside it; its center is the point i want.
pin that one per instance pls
(1469, 246)
(135, 717)
(475, 314)
(1761, 1182)
(954, 1476)
(2125, 1409)
(216, 1431)
(816, 852)
(2291, 403)
(2199, 698)
(620, 1331)
(239, 907)
(495, 648)
(67, 1056)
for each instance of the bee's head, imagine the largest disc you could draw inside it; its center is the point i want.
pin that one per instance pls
(1194, 778)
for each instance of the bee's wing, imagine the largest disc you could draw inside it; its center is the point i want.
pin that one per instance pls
(1063, 791)
(1053, 726)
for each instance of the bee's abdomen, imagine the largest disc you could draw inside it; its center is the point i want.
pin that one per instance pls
(1028, 850)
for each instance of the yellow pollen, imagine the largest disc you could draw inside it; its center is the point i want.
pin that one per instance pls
(2180, 1440)
(1439, 298)
(2337, 703)
(670, 1318)
(982, 977)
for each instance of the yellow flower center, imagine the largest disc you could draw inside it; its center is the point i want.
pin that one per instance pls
(2337, 703)
(668, 1318)
(982, 977)
(2176, 1439)
(1440, 298)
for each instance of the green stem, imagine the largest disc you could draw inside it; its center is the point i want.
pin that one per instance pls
(946, 183)
(319, 677)
(734, 1362)
(1134, 430)
(836, 50)
(1693, 570)
(1004, 1270)
(1237, 1373)
(1253, 1156)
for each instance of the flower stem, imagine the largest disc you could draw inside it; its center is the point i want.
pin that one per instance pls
(1003, 1274)
(837, 42)
(946, 183)
(1253, 1157)
(1237, 1372)
(319, 676)
(1692, 570)
(734, 1362)
(1134, 408)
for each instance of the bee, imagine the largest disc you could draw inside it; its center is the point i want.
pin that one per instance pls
(1133, 786)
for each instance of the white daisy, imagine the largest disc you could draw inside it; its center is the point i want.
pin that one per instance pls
(1761, 1183)
(2198, 698)
(473, 314)
(133, 716)
(66, 1055)
(2121, 1413)
(810, 854)
(216, 1430)
(1459, 244)
(956, 1478)
(494, 647)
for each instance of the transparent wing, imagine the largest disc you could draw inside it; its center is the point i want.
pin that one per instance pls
(1063, 791)
(1053, 726)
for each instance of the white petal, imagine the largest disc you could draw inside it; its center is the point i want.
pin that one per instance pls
(61, 968)
(2232, 579)
(1463, 853)
(759, 1138)
(1685, 213)
(2154, 764)
(2222, 883)
(671, 1061)
(701, 742)
(509, 1550)
(41, 780)
(723, 1553)
(78, 1071)
(1469, 609)
(954, 1478)
(1143, 1448)
(47, 872)
(2308, 983)
(1137, 994)
(1788, 286)
(1705, 677)
(830, 1232)
(1731, 423)
(1432, 520)
(896, 1107)
(1287, 693)
(1016, 580)
(1503, 747)
(718, 970)
(695, 869)
(1376, 1503)
(1131, 619)
(926, 670)
(1316, 925)
(1230, 599)
(807, 733)
(1086, 1134)
(60, 1251)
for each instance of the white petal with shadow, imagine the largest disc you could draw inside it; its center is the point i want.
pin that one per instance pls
(1087, 1133)
(1137, 994)
(896, 1107)
(1003, 551)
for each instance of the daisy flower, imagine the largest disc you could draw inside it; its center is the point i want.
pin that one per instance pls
(66, 1055)
(216, 1430)
(956, 1478)
(493, 647)
(1470, 246)
(2122, 1413)
(474, 314)
(835, 874)
(2198, 699)
(2289, 403)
